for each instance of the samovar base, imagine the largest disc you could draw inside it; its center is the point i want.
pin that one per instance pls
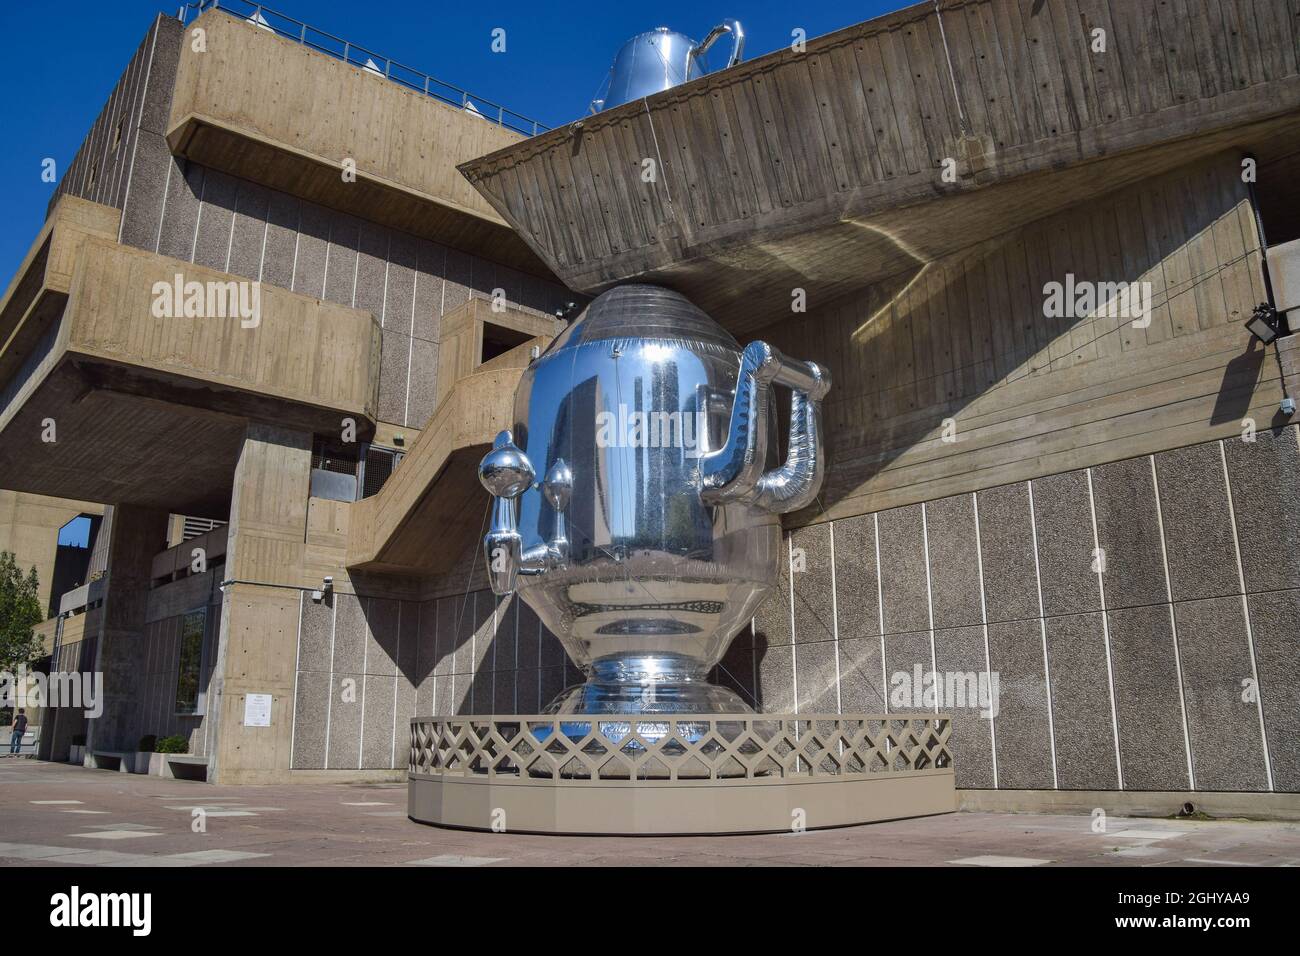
(665, 684)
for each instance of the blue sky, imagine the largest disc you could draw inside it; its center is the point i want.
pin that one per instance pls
(63, 59)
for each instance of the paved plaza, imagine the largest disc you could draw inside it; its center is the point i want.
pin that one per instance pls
(56, 814)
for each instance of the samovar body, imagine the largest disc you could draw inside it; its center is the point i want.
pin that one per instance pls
(634, 507)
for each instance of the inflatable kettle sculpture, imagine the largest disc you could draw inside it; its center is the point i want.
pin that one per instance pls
(635, 508)
(663, 58)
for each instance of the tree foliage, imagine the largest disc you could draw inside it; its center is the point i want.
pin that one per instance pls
(20, 612)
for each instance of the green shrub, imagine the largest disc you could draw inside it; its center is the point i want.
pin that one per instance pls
(175, 744)
(78, 740)
(146, 743)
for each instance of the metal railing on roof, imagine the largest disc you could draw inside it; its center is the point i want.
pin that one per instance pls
(278, 23)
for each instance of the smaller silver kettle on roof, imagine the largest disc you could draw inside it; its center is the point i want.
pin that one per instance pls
(655, 61)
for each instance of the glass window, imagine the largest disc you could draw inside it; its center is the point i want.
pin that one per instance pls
(191, 661)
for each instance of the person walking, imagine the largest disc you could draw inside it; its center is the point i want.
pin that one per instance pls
(20, 728)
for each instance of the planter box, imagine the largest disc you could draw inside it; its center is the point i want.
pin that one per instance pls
(141, 762)
(77, 754)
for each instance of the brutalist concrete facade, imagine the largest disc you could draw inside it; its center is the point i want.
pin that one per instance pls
(1133, 580)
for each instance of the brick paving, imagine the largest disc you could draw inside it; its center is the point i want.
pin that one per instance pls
(55, 814)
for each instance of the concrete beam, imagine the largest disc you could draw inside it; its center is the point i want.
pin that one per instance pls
(885, 146)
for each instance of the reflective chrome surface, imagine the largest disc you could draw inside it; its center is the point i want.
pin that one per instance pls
(655, 532)
(663, 58)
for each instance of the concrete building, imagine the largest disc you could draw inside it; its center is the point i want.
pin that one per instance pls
(1098, 502)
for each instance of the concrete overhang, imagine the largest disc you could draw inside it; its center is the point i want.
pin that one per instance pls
(824, 170)
(114, 403)
(266, 108)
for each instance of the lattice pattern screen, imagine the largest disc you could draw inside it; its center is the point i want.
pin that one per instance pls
(761, 747)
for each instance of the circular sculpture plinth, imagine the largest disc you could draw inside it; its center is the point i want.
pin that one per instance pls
(712, 773)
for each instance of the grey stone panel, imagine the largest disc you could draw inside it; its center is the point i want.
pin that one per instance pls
(817, 678)
(371, 269)
(431, 260)
(394, 366)
(448, 635)
(772, 617)
(252, 203)
(813, 586)
(426, 654)
(1275, 623)
(381, 636)
(457, 275)
(281, 240)
(423, 384)
(903, 570)
(960, 651)
(774, 665)
(1128, 530)
(400, 291)
(736, 669)
(155, 108)
(317, 637)
(180, 218)
(310, 702)
(503, 692)
(954, 561)
(462, 610)
(552, 651)
(1198, 524)
(1024, 743)
(444, 703)
(529, 637)
(1007, 548)
(350, 635)
(1081, 709)
(341, 258)
(1150, 715)
(483, 276)
(527, 685)
(408, 639)
(1227, 753)
(462, 694)
(377, 737)
(485, 626)
(903, 654)
(552, 682)
(312, 249)
(215, 220)
(1265, 479)
(505, 645)
(346, 708)
(862, 687)
(857, 591)
(149, 172)
(1065, 544)
(407, 707)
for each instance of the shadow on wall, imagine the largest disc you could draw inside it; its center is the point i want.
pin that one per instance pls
(943, 340)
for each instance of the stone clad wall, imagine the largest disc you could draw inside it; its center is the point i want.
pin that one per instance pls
(1100, 674)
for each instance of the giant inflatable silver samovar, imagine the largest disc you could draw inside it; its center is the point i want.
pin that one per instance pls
(637, 499)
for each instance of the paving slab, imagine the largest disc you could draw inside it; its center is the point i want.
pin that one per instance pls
(321, 823)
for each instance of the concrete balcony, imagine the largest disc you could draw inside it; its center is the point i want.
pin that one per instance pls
(266, 108)
(116, 398)
(825, 169)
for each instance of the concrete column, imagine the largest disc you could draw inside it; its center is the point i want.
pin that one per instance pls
(265, 571)
(137, 535)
